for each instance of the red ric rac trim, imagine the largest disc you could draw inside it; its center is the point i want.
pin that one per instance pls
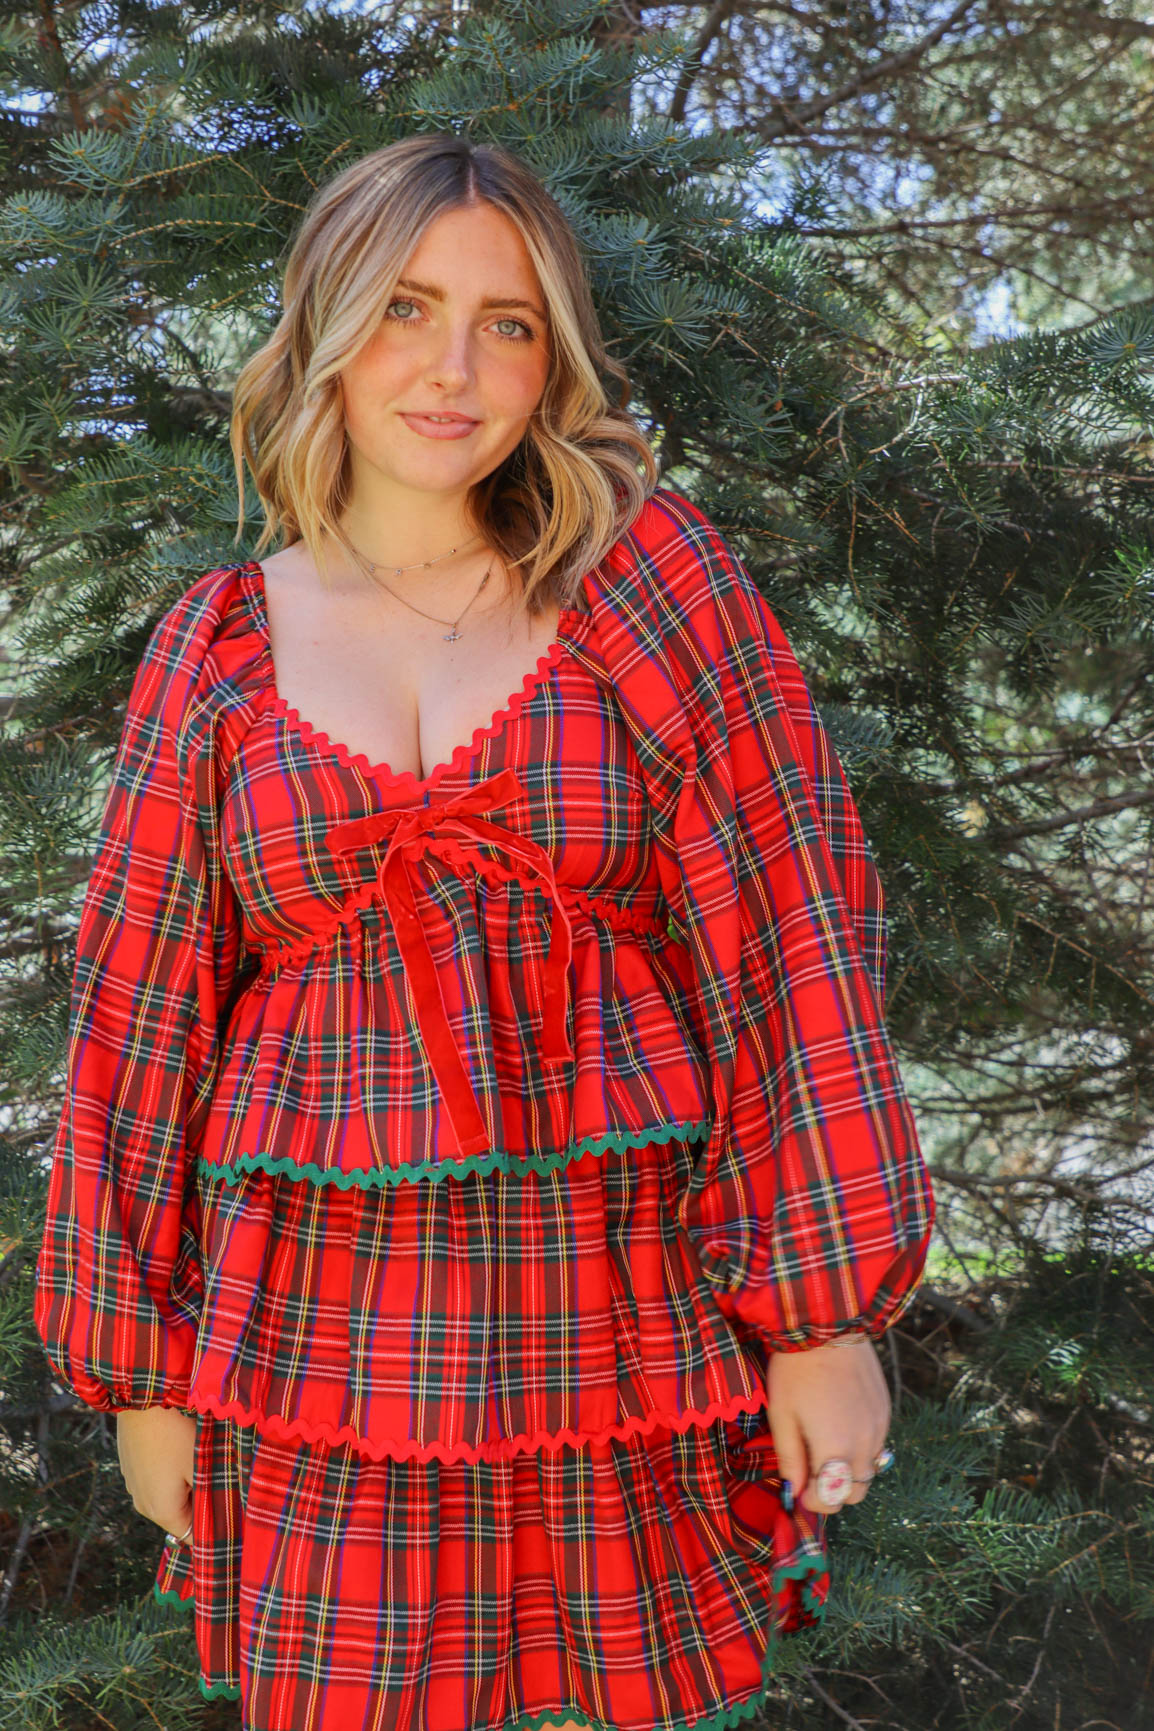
(405, 778)
(621, 919)
(404, 1449)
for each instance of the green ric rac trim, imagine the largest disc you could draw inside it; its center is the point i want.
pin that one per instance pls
(719, 1721)
(725, 1716)
(212, 1691)
(619, 1141)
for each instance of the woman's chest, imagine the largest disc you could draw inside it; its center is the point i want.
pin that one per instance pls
(548, 789)
(401, 691)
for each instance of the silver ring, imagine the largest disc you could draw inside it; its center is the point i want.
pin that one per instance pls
(183, 1538)
(835, 1477)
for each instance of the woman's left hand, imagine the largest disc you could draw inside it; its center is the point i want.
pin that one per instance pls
(827, 1403)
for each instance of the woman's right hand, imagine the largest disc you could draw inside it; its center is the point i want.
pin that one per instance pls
(157, 1449)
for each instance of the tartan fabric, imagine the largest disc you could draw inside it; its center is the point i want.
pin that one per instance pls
(467, 1318)
(441, 1125)
(431, 1597)
(810, 1206)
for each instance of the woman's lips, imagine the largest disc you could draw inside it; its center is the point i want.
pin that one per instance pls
(439, 429)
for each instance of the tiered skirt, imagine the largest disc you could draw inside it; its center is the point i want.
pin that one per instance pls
(469, 1457)
(637, 1584)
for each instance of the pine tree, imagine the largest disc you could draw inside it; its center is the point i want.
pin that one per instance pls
(959, 552)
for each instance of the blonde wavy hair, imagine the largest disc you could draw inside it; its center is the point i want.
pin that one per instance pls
(556, 504)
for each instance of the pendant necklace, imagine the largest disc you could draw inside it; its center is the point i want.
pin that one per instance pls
(450, 636)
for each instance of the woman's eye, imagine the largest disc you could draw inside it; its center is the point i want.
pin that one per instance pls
(523, 332)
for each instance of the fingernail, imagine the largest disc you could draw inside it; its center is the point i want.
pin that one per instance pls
(787, 1496)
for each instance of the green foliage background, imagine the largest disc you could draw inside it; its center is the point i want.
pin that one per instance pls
(958, 546)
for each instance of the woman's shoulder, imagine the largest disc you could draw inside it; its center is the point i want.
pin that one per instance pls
(666, 518)
(673, 561)
(205, 639)
(202, 606)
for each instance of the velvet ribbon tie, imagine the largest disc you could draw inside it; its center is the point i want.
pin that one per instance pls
(415, 821)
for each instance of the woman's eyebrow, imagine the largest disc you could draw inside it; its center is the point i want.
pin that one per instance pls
(437, 294)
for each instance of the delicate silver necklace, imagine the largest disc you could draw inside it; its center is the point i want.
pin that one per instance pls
(452, 635)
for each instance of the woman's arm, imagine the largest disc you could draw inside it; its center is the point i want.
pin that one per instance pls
(810, 1207)
(118, 1279)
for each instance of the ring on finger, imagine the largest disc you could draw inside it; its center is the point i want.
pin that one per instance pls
(835, 1477)
(833, 1481)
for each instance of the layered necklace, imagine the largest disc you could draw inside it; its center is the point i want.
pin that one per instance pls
(452, 635)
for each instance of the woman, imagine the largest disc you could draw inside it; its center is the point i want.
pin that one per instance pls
(484, 1171)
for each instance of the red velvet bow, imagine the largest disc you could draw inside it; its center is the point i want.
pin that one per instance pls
(413, 820)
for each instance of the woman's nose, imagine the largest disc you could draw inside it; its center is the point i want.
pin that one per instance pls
(452, 353)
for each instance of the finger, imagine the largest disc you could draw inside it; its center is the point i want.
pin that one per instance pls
(185, 1520)
(860, 1488)
(865, 1472)
(789, 1447)
(173, 1514)
(837, 1493)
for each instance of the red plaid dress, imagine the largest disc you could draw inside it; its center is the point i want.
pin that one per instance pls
(455, 1150)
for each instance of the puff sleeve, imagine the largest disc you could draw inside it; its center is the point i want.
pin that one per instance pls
(118, 1279)
(810, 1206)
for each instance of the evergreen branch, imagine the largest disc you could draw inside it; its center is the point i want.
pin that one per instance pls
(1060, 940)
(956, 1311)
(1040, 764)
(1045, 215)
(51, 35)
(1078, 471)
(1065, 1564)
(846, 1718)
(964, 1653)
(1020, 1696)
(1067, 1188)
(979, 253)
(1063, 820)
(888, 67)
(711, 27)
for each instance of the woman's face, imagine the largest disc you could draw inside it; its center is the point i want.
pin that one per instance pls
(452, 340)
